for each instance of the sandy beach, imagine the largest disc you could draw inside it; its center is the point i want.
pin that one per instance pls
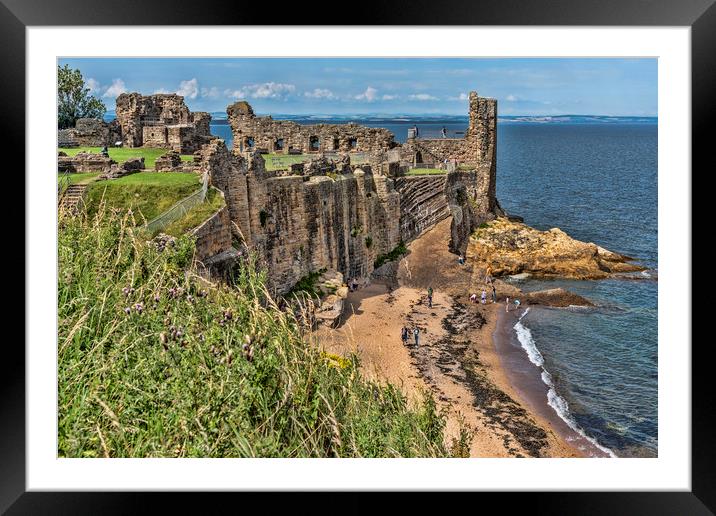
(464, 356)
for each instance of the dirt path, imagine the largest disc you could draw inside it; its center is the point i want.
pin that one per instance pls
(455, 359)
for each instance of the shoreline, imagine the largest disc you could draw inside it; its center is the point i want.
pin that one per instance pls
(457, 358)
(526, 379)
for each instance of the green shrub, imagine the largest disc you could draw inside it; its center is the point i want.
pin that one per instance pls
(396, 253)
(369, 241)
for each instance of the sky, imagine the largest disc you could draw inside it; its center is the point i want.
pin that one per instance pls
(522, 86)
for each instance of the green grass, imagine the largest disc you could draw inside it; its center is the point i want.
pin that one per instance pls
(202, 371)
(76, 179)
(148, 194)
(122, 154)
(425, 171)
(283, 161)
(198, 214)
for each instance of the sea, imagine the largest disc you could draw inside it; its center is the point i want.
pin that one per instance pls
(595, 177)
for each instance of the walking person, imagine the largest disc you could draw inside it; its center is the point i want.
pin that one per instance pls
(494, 294)
(473, 298)
(443, 131)
(416, 334)
(507, 304)
(430, 297)
(404, 335)
(517, 304)
(483, 297)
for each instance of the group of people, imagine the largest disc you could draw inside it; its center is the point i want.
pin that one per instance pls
(405, 333)
(483, 297)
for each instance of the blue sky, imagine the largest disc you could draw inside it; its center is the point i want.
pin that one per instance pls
(524, 86)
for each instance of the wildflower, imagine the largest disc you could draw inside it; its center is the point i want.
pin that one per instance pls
(125, 291)
(156, 298)
(127, 310)
(139, 307)
(190, 298)
(202, 293)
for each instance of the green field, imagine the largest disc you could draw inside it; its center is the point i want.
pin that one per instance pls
(122, 154)
(284, 161)
(147, 194)
(196, 215)
(425, 172)
(154, 363)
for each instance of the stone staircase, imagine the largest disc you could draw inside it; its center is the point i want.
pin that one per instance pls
(71, 199)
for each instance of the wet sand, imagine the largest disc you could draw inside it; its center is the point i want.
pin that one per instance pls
(456, 359)
(526, 380)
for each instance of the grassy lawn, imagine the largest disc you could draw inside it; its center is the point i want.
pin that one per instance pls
(198, 214)
(283, 161)
(425, 172)
(147, 194)
(122, 154)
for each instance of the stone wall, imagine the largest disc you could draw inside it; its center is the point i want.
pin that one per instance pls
(283, 136)
(300, 224)
(84, 162)
(161, 120)
(90, 132)
(302, 220)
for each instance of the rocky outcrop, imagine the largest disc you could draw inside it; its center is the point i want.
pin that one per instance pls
(503, 247)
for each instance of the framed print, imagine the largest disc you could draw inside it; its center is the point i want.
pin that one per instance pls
(382, 257)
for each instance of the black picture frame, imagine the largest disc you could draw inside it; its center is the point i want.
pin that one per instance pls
(17, 15)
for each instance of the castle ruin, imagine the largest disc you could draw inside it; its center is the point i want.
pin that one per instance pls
(163, 121)
(305, 219)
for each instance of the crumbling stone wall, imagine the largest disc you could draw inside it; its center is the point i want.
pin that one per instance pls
(477, 148)
(283, 136)
(161, 120)
(90, 132)
(84, 162)
(302, 220)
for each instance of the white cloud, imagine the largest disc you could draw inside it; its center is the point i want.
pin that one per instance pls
(266, 90)
(390, 97)
(93, 85)
(422, 96)
(320, 93)
(463, 96)
(117, 88)
(368, 95)
(212, 92)
(189, 89)
(511, 98)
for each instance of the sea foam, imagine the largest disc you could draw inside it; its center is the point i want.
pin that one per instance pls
(554, 400)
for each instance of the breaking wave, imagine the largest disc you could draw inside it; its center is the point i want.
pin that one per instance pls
(554, 400)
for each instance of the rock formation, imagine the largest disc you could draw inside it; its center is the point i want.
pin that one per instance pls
(504, 248)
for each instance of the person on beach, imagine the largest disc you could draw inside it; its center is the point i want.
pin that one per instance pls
(416, 334)
(443, 131)
(517, 304)
(430, 297)
(507, 304)
(494, 294)
(404, 335)
(473, 298)
(461, 260)
(483, 297)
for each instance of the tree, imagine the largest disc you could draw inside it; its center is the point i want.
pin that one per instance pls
(74, 100)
